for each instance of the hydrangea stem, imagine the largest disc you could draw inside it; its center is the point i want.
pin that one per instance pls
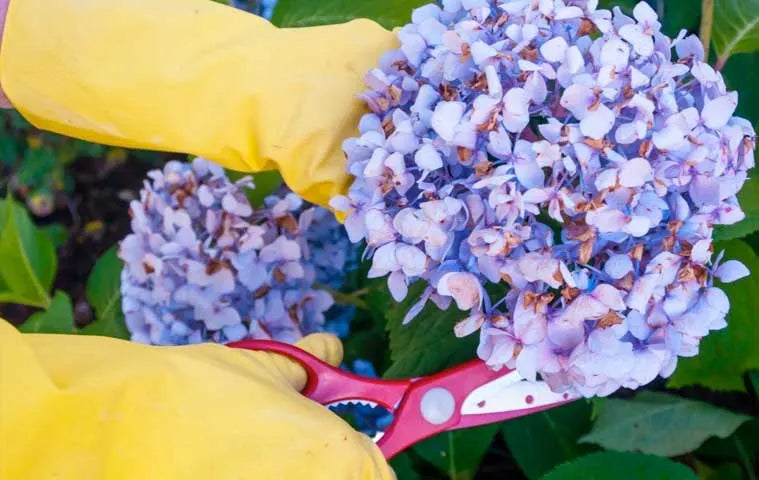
(342, 298)
(707, 19)
(747, 464)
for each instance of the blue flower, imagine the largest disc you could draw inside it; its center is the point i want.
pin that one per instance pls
(577, 155)
(202, 265)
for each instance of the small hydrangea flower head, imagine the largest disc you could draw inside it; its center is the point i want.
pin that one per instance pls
(202, 265)
(576, 155)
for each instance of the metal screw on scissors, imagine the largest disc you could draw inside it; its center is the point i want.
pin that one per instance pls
(467, 395)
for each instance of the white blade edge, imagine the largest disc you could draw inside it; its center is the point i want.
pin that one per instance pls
(511, 392)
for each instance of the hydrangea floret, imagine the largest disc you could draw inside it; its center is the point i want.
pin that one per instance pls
(202, 265)
(577, 155)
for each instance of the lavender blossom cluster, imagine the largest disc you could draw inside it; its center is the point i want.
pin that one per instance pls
(202, 265)
(569, 153)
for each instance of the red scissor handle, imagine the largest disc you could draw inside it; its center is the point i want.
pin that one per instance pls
(327, 384)
(415, 403)
(410, 424)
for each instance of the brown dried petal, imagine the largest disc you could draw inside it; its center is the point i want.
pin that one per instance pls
(288, 223)
(609, 320)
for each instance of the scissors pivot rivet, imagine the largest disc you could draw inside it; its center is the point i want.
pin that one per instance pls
(437, 405)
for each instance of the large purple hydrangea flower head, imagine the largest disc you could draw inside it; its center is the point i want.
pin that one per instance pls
(202, 265)
(576, 155)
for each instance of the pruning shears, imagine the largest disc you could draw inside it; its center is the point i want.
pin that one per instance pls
(467, 395)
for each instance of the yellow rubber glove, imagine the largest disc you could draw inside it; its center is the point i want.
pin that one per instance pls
(196, 77)
(90, 407)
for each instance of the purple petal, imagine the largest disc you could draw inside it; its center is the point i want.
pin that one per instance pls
(609, 296)
(499, 144)
(446, 117)
(528, 172)
(355, 226)
(483, 107)
(598, 123)
(635, 173)
(718, 112)
(574, 61)
(618, 265)
(641, 42)
(615, 53)
(412, 261)
(432, 31)
(236, 206)
(704, 190)
(469, 325)
(428, 158)
(554, 49)
(205, 196)
(643, 13)
(396, 283)
(281, 249)
(383, 261)
(537, 88)
(417, 308)
(516, 113)
(731, 271)
(536, 267)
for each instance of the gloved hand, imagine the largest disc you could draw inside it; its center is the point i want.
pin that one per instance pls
(197, 77)
(93, 407)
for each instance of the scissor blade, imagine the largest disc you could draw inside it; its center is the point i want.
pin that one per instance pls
(511, 392)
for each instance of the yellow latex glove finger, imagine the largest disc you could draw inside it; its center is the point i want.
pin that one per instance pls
(93, 407)
(197, 77)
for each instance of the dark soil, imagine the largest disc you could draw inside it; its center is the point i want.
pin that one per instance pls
(95, 216)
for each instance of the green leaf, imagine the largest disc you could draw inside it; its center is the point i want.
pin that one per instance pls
(36, 167)
(741, 74)
(266, 183)
(725, 471)
(57, 233)
(626, 5)
(17, 121)
(104, 294)
(59, 318)
(3, 209)
(542, 440)
(743, 442)
(753, 378)
(736, 26)
(621, 466)
(457, 453)
(724, 356)
(660, 424)
(403, 468)
(300, 13)
(679, 15)
(27, 259)
(9, 149)
(426, 344)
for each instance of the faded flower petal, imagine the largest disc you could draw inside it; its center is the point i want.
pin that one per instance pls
(463, 287)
